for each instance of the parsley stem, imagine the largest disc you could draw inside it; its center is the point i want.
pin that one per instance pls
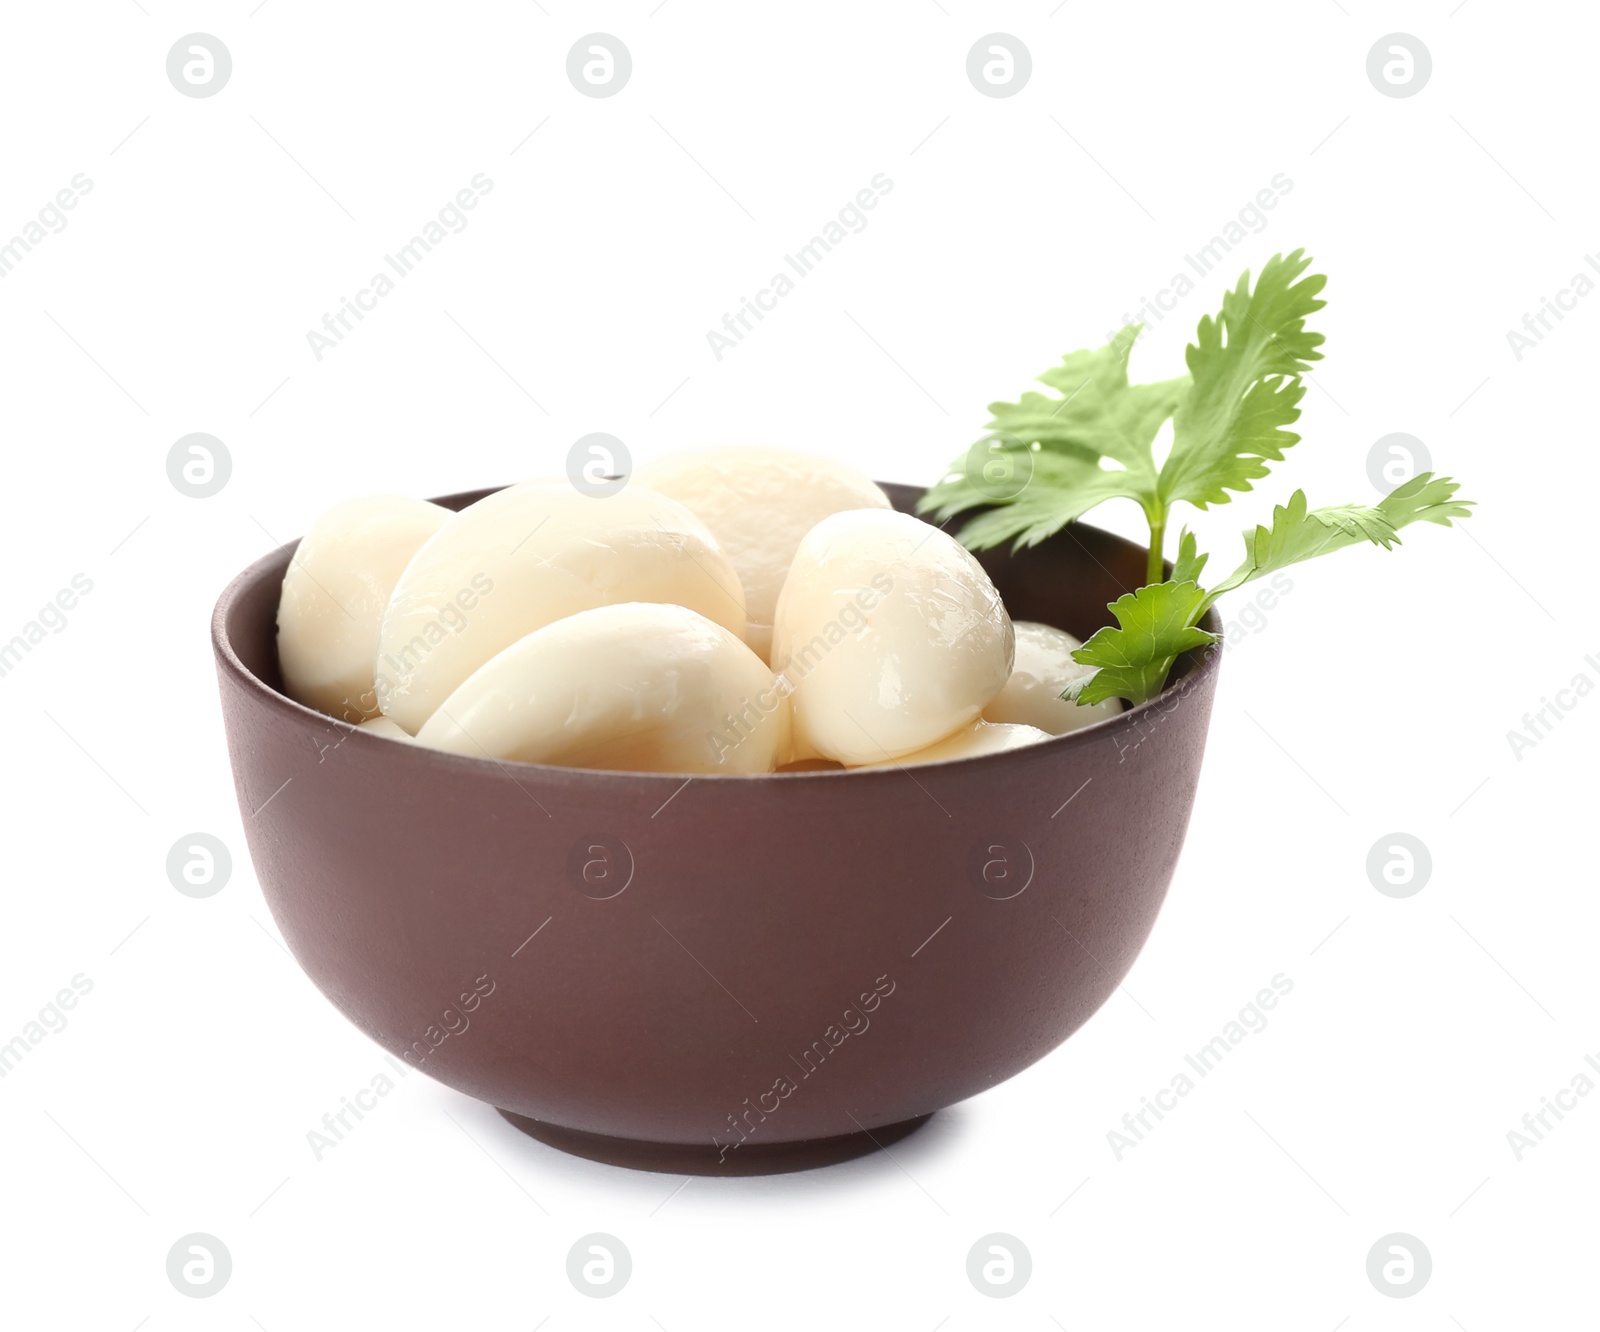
(1155, 569)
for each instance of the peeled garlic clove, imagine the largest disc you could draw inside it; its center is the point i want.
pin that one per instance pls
(334, 596)
(384, 726)
(890, 635)
(630, 688)
(1043, 668)
(979, 738)
(759, 503)
(527, 556)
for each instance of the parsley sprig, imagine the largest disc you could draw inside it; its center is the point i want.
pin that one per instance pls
(1048, 459)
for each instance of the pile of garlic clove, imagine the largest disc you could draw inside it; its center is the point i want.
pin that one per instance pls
(736, 611)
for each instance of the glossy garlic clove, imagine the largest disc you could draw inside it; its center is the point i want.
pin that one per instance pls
(385, 726)
(980, 737)
(1042, 669)
(890, 635)
(526, 557)
(335, 593)
(630, 688)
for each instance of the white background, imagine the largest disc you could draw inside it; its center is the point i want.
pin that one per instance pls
(1376, 699)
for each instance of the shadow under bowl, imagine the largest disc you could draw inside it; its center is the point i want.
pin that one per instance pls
(719, 975)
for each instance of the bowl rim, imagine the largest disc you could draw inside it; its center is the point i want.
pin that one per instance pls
(1204, 664)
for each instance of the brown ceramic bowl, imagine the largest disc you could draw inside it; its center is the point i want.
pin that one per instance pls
(720, 974)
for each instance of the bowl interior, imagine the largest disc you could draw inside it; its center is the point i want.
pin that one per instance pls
(1102, 568)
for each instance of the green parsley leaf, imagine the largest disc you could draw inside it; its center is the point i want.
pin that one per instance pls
(1098, 413)
(1063, 487)
(1425, 498)
(1087, 443)
(1298, 533)
(1161, 620)
(1246, 365)
(1154, 625)
(1189, 565)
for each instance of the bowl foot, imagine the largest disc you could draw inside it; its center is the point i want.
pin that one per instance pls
(681, 1158)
